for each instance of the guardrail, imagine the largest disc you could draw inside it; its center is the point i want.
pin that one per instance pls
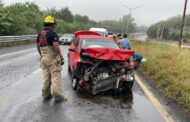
(18, 38)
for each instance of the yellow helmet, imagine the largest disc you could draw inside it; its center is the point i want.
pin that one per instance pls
(49, 19)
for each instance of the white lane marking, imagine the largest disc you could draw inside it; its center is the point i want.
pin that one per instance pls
(154, 100)
(16, 52)
(35, 72)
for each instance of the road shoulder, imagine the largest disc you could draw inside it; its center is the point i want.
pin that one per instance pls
(175, 111)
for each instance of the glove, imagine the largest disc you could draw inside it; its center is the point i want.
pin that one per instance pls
(62, 61)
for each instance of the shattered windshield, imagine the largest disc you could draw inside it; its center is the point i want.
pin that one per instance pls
(98, 43)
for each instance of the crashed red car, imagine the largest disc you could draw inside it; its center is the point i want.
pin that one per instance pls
(97, 64)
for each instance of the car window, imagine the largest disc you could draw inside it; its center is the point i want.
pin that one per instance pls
(76, 42)
(98, 43)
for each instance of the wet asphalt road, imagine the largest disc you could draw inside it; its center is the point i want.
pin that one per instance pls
(20, 96)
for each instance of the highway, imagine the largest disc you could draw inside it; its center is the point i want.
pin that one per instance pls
(20, 95)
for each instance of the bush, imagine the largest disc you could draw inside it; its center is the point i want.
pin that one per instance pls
(174, 36)
(152, 31)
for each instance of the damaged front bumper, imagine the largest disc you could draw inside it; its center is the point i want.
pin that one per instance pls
(112, 82)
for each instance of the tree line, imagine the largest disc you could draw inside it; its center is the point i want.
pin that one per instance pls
(27, 18)
(170, 29)
(125, 24)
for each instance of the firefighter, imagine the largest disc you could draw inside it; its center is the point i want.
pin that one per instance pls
(51, 61)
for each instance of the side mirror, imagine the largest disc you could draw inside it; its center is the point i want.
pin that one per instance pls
(72, 48)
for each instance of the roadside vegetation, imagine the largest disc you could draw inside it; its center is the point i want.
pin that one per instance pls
(124, 24)
(170, 29)
(26, 19)
(168, 68)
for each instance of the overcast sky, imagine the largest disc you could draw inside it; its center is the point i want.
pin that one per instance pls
(150, 12)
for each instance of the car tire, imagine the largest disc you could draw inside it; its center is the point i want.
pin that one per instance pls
(116, 92)
(74, 83)
(129, 85)
(69, 69)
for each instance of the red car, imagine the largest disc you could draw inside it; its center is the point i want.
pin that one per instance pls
(97, 64)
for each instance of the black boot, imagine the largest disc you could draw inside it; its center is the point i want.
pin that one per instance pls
(47, 97)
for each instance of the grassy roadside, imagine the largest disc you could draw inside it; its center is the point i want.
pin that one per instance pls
(169, 69)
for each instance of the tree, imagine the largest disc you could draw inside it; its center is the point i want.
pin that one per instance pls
(111, 25)
(127, 23)
(5, 21)
(141, 29)
(63, 14)
(81, 19)
(84, 21)
(26, 18)
(171, 28)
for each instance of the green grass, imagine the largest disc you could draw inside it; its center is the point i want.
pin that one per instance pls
(169, 69)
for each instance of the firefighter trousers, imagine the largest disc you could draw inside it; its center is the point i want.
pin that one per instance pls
(51, 70)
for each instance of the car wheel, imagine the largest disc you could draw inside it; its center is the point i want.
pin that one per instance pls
(129, 85)
(74, 83)
(116, 92)
(69, 69)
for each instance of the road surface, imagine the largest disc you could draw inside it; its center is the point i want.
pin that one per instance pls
(20, 95)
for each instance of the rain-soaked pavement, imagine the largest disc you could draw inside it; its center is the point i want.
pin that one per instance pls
(20, 96)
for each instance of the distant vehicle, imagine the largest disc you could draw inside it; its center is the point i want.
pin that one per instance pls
(102, 31)
(66, 39)
(97, 64)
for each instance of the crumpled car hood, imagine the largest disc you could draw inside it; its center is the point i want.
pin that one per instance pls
(108, 53)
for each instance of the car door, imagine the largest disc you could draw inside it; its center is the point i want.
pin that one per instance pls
(73, 54)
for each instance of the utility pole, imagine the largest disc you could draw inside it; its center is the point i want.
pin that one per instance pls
(158, 32)
(131, 10)
(182, 23)
(162, 32)
(74, 19)
(130, 13)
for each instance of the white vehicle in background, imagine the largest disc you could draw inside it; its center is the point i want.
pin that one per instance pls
(102, 31)
(66, 39)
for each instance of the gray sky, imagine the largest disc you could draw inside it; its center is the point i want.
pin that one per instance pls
(152, 11)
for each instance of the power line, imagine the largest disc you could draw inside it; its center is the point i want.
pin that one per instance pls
(132, 9)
